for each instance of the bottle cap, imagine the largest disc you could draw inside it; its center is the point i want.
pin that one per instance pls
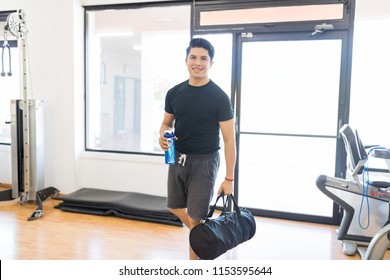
(168, 133)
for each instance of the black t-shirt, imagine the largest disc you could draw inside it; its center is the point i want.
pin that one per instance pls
(198, 111)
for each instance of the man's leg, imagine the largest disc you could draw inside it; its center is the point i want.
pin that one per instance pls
(183, 215)
(189, 222)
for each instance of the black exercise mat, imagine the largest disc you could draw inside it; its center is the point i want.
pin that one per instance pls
(129, 205)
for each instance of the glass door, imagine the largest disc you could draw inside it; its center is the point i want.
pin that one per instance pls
(288, 107)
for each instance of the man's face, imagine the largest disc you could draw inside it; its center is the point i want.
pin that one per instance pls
(198, 63)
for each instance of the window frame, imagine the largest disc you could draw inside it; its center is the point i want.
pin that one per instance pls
(133, 6)
(205, 6)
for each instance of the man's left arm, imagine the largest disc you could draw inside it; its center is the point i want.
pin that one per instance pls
(229, 140)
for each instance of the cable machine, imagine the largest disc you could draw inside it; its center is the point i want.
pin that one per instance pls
(26, 130)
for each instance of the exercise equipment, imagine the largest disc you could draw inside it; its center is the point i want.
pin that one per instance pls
(5, 48)
(130, 205)
(26, 130)
(364, 197)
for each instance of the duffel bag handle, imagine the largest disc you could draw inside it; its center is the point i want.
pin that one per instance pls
(236, 207)
(212, 208)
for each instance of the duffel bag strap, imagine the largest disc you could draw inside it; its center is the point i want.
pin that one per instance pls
(212, 208)
(236, 207)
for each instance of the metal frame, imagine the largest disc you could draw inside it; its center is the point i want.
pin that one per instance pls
(342, 29)
(203, 6)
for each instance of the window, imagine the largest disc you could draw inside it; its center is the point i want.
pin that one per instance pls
(271, 14)
(134, 56)
(9, 80)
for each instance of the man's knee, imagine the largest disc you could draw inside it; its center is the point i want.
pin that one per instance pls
(178, 211)
(193, 222)
(182, 214)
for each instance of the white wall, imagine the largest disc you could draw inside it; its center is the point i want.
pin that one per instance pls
(50, 47)
(55, 46)
(370, 84)
(55, 43)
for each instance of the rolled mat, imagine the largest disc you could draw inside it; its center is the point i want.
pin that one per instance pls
(130, 205)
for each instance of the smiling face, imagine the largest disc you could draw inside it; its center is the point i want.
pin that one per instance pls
(198, 64)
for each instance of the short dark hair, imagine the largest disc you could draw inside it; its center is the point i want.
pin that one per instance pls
(201, 43)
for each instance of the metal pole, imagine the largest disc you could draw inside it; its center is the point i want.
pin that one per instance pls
(26, 120)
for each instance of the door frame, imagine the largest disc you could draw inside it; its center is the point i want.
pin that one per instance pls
(276, 30)
(343, 112)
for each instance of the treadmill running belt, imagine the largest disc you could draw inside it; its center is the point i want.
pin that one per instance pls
(129, 205)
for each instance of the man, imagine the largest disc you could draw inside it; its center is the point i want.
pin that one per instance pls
(198, 109)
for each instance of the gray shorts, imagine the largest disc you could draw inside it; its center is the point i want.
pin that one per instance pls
(191, 185)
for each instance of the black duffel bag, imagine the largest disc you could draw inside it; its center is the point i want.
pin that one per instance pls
(213, 237)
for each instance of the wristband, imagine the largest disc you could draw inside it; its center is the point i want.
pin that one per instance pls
(230, 180)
